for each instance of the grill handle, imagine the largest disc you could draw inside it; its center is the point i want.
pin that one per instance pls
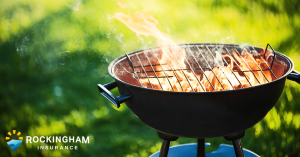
(294, 76)
(105, 91)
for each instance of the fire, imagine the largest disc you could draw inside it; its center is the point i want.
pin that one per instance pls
(237, 80)
(121, 4)
(241, 71)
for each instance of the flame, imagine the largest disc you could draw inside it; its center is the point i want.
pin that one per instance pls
(220, 78)
(121, 4)
(237, 80)
(143, 24)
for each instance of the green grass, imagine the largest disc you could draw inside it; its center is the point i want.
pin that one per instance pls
(53, 54)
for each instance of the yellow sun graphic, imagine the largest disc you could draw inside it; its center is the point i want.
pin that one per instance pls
(14, 132)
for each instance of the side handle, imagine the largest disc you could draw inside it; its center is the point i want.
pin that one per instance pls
(105, 91)
(294, 76)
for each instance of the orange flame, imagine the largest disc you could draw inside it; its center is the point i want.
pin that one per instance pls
(219, 79)
(237, 80)
(121, 4)
(143, 24)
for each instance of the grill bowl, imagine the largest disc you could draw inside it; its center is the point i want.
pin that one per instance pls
(200, 114)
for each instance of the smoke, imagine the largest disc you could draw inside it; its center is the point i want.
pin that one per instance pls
(218, 59)
(230, 39)
(112, 35)
(215, 33)
(145, 43)
(74, 5)
(105, 57)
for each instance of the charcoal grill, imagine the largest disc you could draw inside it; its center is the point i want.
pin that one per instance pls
(201, 115)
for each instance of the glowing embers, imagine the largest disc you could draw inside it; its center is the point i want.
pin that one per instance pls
(204, 68)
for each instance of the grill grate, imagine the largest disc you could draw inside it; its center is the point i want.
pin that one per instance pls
(202, 52)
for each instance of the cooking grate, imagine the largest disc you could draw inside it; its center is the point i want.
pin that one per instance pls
(149, 71)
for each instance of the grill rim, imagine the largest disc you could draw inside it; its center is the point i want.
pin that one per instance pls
(119, 59)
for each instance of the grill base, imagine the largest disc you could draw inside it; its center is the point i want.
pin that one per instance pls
(235, 138)
(190, 150)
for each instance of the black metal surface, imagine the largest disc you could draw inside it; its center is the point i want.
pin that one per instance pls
(237, 145)
(238, 149)
(166, 143)
(104, 90)
(201, 148)
(235, 136)
(294, 76)
(166, 136)
(202, 114)
(164, 148)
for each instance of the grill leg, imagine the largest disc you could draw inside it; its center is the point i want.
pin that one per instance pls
(166, 143)
(235, 138)
(239, 152)
(164, 148)
(201, 148)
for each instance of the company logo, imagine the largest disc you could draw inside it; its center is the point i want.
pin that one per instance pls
(14, 140)
(58, 139)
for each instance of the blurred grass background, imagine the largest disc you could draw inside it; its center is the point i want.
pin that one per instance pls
(53, 53)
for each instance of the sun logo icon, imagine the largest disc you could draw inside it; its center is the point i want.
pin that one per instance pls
(14, 143)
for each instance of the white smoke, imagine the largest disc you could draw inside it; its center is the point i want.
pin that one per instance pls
(218, 59)
(74, 5)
